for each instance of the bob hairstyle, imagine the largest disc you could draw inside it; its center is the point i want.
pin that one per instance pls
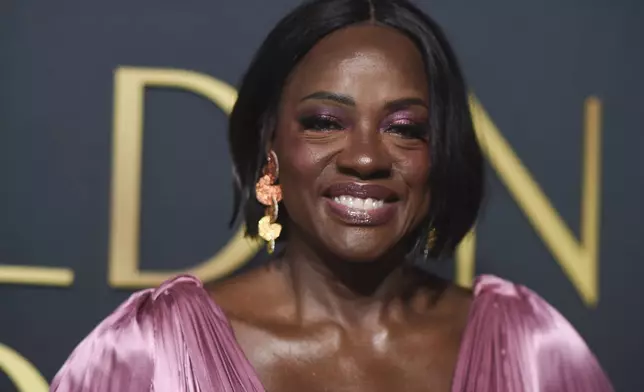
(456, 173)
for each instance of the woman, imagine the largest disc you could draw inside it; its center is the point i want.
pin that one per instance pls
(353, 145)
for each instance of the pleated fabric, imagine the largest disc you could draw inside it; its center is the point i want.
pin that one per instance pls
(172, 339)
(516, 342)
(176, 339)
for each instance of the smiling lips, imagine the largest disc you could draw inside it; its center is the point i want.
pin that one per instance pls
(361, 204)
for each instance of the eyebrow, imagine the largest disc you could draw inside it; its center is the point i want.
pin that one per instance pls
(329, 96)
(404, 103)
(346, 100)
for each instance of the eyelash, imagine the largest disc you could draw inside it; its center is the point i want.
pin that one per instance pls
(321, 123)
(409, 130)
(325, 123)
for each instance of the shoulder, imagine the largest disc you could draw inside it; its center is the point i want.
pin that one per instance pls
(515, 329)
(156, 331)
(256, 297)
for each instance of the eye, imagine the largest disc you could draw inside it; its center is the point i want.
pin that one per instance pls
(320, 123)
(409, 130)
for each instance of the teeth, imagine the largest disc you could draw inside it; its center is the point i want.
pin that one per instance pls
(358, 203)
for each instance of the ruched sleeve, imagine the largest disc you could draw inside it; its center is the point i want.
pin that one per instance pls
(516, 342)
(172, 339)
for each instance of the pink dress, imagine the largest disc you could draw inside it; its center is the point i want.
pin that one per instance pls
(176, 339)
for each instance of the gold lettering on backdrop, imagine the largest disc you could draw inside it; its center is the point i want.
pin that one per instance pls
(36, 276)
(24, 376)
(579, 260)
(129, 89)
(466, 259)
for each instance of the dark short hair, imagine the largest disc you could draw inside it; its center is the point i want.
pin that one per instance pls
(456, 174)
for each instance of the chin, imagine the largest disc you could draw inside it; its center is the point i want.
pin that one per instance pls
(361, 249)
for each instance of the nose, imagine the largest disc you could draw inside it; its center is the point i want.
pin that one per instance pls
(364, 156)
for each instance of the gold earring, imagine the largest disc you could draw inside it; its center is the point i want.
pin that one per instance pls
(431, 241)
(269, 194)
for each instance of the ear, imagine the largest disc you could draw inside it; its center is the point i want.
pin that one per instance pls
(273, 164)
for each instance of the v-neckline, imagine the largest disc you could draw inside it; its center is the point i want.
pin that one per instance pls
(460, 362)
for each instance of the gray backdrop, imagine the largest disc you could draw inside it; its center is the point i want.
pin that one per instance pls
(531, 63)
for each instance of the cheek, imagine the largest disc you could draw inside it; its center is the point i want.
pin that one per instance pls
(414, 166)
(300, 166)
(303, 158)
(297, 163)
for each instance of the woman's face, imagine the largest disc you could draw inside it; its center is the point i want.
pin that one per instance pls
(352, 143)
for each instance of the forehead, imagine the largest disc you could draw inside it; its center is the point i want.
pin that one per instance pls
(363, 58)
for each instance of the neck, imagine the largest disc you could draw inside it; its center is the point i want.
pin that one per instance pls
(329, 288)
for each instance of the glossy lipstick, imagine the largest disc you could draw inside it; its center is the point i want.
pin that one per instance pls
(361, 204)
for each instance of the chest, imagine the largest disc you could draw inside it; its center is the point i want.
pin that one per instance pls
(416, 362)
(349, 375)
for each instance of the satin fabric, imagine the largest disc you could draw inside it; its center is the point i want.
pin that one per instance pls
(176, 339)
